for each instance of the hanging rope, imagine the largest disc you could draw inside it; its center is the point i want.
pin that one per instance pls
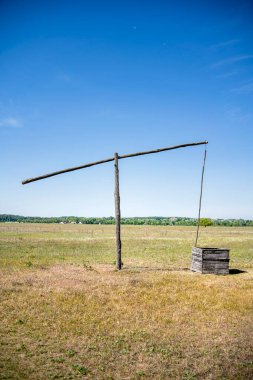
(200, 198)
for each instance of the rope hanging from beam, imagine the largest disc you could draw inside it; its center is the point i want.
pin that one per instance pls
(200, 198)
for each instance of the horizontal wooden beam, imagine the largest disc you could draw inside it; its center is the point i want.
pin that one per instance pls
(29, 180)
(66, 171)
(162, 149)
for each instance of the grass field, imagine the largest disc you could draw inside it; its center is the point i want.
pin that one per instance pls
(67, 314)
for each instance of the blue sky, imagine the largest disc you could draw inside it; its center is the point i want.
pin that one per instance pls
(81, 80)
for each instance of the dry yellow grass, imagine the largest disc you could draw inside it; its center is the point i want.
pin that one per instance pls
(66, 313)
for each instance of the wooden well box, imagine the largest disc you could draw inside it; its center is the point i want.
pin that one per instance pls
(210, 260)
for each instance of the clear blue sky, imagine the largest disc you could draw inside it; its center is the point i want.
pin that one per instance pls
(80, 80)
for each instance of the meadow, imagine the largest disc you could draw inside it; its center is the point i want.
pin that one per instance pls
(66, 313)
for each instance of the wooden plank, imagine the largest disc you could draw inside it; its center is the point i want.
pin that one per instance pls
(215, 264)
(196, 268)
(220, 271)
(215, 256)
(216, 269)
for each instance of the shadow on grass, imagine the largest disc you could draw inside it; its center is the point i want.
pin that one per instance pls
(154, 269)
(171, 269)
(236, 271)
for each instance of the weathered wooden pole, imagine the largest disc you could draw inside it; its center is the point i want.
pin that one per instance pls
(117, 212)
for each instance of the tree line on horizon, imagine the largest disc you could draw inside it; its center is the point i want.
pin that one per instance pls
(156, 220)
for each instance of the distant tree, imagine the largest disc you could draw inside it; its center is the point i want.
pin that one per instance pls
(153, 221)
(206, 222)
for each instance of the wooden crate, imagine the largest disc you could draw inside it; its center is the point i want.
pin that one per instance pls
(210, 260)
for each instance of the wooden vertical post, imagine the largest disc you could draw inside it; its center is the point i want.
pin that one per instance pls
(117, 212)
